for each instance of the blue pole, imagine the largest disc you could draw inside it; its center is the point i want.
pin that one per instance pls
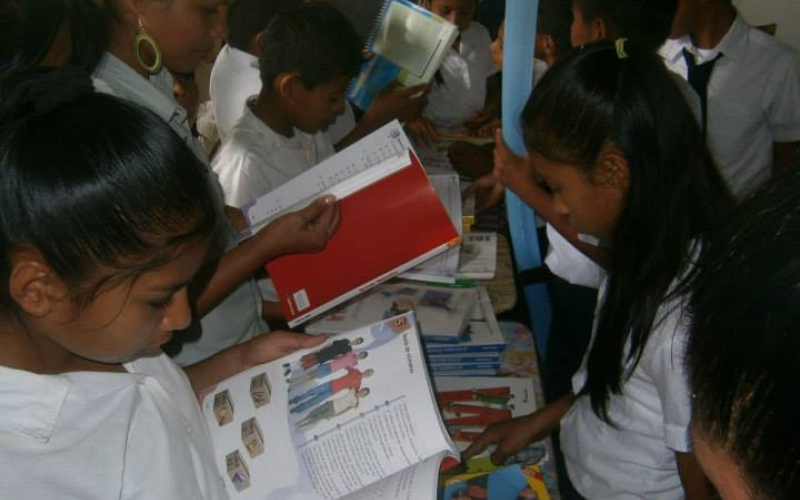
(518, 50)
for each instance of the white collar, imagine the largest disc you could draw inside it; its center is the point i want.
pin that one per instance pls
(30, 403)
(240, 57)
(154, 93)
(732, 45)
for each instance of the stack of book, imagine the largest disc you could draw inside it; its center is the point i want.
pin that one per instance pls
(442, 311)
(476, 352)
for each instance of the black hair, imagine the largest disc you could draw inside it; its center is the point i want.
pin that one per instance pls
(38, 24)
(114, 187)
(645, 22)
(314, 39)
(555, 19)
(247, 18)
(743, 355)
(592, 96)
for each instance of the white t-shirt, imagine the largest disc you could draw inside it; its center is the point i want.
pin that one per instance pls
(99, 435)
(462, 92)
(753, 100)
(635, 460)
(235, 77)
(256, 159)
(237, 318)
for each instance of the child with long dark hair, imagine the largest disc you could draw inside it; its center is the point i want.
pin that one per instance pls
(100, 239)
(610, 133)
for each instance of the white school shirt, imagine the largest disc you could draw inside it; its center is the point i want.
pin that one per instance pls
(462, 92)
(99, 435)
(235, 77)
(753, 100)
(570, 264)
(256, 159)
(636, 460)
(237, 318)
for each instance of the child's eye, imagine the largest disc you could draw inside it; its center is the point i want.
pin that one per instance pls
(161, 303)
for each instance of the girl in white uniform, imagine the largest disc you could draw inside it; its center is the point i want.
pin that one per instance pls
(611, 134)
(101, 237)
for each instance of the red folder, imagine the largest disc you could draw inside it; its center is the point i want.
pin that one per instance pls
(386, 228)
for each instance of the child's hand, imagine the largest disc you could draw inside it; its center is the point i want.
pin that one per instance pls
(423, 130)
(489, 129)
(511, 437)
(307, 230)
(509, 169)
(488, 192)
(274, 345)
(403, 104)
(481, 118)
(470, 160)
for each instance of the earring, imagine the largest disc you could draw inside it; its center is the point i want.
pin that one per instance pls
(144, 37)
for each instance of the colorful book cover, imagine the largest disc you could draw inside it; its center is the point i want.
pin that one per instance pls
(407, 44)
(514, 482)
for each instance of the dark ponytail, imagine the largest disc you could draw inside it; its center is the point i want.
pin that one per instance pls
(625, 95)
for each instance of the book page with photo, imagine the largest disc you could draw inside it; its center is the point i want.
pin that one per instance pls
(470, 404)
(326, 422)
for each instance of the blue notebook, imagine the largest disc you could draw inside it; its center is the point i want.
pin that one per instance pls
(407, 44)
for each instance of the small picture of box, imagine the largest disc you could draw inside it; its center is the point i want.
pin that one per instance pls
(260, 390)
(223, 407)
(237, 471)
(252, 438)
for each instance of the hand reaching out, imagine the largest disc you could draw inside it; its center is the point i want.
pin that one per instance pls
(403, 104)
(423, 130)
(488, 192)
(509, 169)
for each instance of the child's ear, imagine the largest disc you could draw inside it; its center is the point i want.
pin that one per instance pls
(33, 285)
(612, 168)
(288, 86)
(549, 45)
(600, 29)
(254, 47)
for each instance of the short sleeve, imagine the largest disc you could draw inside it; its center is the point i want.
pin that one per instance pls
(237, 171)
(783, 94)
(665, 364)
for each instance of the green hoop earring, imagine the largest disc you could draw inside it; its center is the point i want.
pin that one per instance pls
(144, 37)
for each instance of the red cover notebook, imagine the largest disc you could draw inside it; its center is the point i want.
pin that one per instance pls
(386, 228)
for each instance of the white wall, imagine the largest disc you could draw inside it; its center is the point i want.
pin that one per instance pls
(786, 13)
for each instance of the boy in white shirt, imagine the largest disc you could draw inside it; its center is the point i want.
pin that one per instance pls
(308, 56)
(235, 77)
(752, 97)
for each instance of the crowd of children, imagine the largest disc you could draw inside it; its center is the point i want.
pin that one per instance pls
(662, 152)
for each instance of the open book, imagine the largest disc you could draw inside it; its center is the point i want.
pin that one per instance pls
(391, 221)
(408, 44)
(354, 418)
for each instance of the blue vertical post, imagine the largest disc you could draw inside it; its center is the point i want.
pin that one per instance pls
(518, 49)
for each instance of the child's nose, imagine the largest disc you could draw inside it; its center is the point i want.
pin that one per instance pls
(559, 206)
(178, 315)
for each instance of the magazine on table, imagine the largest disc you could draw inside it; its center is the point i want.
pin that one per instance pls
(353, 418)
(441, 311)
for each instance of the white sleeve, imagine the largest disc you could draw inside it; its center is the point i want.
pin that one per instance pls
(235, 169)
(783, 91)
(665, 364)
